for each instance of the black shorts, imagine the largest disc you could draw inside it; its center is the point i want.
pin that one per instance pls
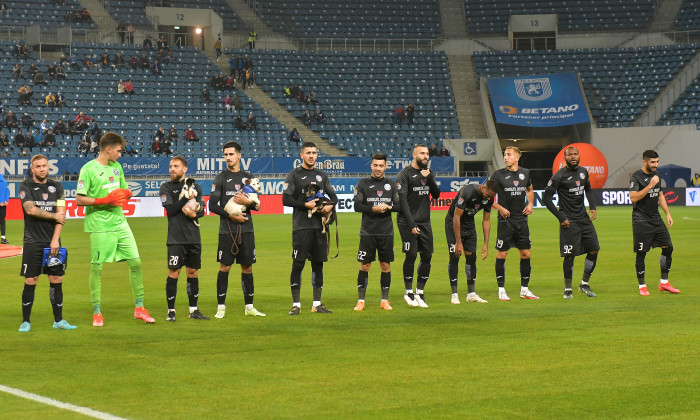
(180, 255)
(422, 242)
(309, 244)
(648, 235)
(230, 253)
(512, 233)
(579, 238)
(32, 262)
(467, 238)
(370, 246)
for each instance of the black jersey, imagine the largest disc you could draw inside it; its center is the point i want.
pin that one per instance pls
(647, 208)
(181, 229)
(294, 185)
(512, 191)
(48, 197)
(370, 192)
(469, 200)
(417, 190)
(570, 186)
(227, 184)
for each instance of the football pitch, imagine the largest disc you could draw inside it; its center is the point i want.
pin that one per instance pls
(619, 355)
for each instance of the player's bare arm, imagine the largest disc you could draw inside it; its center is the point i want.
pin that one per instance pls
(57, 229)
(35, 211)
(530, 192)
(638, 195)
(593, 214)
(456, 219)
(664, 206)
(504, 212)
(486, 226)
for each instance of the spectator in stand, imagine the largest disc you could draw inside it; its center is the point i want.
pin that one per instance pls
(11, 120)
(444, 151)
(217, 48)
(237, 104)
(160, 134)
(251, 122)
(231, 83)
(172, 135)
(162, 43)
(410, 112)
(157, 68)
(220, 82)
(130, 30)
(105, 60)
(39, 79)
(133, 62)
(44, 127)
(61, 100)
(286, 92)
(33, 69)
(128, 150)
(82, 121)
(84, 15)
(4, 9)
(147, 43)
(60, 127)
(233, 65)
(6, 153)
(399, 115)
(19, 139)
(129, 87)
(26, 120)
(312, 98)
(121, 30)
(60, 72)
(72, 129)
(306, 118)
(155, 147)
(74, 63)
(165, 147)
(49, 139)
(25, 154)
(433, 151)
(17, 72)
(241, 69)
(119, 60)
(94, 129)
(228, 103)
(51, 71)
(74, 177)
(83, 147)
(120, 87)
(319, 118)
(38, 139)
(206, 96)
(89, 62)
(29, 140)
(190, 135)
(144, 63)
(50, 101)
(294, 90)
(94, 146)
(238, 123)
(25, 95)
(294, 136)
(4, 139)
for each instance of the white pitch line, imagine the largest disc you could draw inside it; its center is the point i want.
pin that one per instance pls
(55, 403)
(690, 218)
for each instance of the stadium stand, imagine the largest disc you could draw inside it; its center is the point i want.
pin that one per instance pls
(354, 19)
(49, 16)
(134, 11)
(685, 109)
(619, 82)
(487, 16)
(688, 17)
(359, 91)
(169, 100)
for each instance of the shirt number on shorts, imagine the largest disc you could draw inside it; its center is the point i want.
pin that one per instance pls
(221, 253)
(452, 248)
(407, 246)
(499, 243)
(568, 249)
(173, 260)
(294, 253)
(24, 268)
(641, 246)
(361, 255)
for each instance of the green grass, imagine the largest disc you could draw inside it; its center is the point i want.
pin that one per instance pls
(619, 355)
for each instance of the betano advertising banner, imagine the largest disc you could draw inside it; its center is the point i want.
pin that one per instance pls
(546, 100)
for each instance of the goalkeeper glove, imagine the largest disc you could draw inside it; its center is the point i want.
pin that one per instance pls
(114, 198)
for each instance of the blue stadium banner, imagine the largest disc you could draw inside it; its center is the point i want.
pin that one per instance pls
(210, 166)
(545, 100)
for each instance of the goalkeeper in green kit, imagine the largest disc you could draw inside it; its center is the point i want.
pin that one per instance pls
(103, 191)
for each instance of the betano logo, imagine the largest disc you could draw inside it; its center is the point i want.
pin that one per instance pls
(509, 110)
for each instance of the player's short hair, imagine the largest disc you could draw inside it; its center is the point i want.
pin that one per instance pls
(110, 140)
(419, 145)
(567, 149)
(181, 159)
(514, 148)
(379, 156)
(234, 145)
(649, 154)
(308, 144)
(38, 157)
(492, 185)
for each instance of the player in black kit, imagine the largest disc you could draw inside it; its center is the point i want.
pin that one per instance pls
(237, 239)
(459, 223)
(416, 184)
(44, 209)
(184, 241)
(515, 199)
(577, 234)
(308, 241)
(376, 197)
(648, 228)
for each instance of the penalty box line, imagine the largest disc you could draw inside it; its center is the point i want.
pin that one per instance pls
(59, 404)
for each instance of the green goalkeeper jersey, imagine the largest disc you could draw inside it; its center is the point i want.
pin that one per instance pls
(97, 181)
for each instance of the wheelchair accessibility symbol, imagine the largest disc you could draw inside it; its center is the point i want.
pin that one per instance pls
(469, 148)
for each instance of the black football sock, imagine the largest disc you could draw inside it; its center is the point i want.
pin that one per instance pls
(453, 272)
(568, 267)
(640, 267)
(470, 271)
(221, 287)
(362, 280)
(385, 282)
(295, 280)
(27, 301)
(317, 280)
(193, 291)
(588, 267)
(501, 272)
(665, 261)
(56, 298)
(423, 271)
(525, 270)
(408, 268)
(248, 288)
(171, 291)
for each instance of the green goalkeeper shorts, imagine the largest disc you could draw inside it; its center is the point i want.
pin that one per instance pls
(113, 246)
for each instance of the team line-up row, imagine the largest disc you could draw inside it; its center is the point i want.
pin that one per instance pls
(102, 189)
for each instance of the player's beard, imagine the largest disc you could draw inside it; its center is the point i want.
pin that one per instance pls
(40, 178)
(422, 164)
